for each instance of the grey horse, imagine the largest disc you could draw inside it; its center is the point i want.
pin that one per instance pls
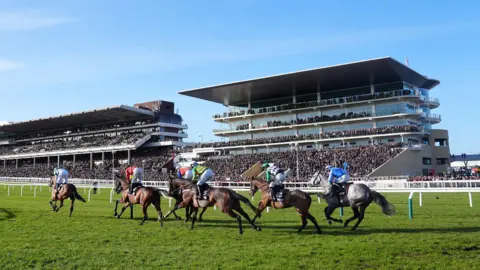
(358, 197)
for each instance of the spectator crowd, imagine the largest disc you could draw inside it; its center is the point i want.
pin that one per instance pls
(324, 135)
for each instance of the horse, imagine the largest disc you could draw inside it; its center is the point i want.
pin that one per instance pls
(66, 191)
(227, 200)
(295, 198)
(358, 197)
(143, 196)
(175, 187)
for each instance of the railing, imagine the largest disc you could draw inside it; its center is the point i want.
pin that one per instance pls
(321, 103)
(333, 119)
(430, 100)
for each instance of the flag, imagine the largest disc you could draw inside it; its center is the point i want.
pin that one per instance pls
(406, 61)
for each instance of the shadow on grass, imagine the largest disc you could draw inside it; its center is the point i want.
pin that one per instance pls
(6, 214)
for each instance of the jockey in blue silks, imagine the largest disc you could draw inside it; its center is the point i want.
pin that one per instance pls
(337, 177)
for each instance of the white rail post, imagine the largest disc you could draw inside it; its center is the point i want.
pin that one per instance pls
(111, 195)
(89, 191)
(410, 206)
(420, 199)
(215, 207)
(9, 189)
(35, 191)
(169, 202)
(21, 190)
(85, 190)
(470, 199)
(268, 209)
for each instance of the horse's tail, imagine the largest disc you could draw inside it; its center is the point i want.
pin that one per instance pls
(387, 208)
(77, 196)
(158, 195)
(244, 200)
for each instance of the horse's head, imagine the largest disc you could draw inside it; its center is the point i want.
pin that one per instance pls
(253, 187)
(51, 181)
(118, 187)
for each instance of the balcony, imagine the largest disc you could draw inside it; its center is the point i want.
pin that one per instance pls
(432, 103)
(432, 118)
(322, 120)
(313, 105)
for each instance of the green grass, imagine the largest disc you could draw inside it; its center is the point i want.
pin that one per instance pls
(440, 236)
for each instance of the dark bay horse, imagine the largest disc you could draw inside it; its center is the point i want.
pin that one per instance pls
(358, 197)
(175, 189)
(227, 200)
(66, 191)
(295, 198)
(143, 196)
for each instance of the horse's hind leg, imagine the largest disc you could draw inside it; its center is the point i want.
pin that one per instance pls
(200, 219)
(145, 215)
(131, 211)
(355, 216)
(238, 218)
(245, 215)
(116, 207)
(53, 206)
(123, 209)
(159, 211)
(314, 221)
(195, 212)
(61, 205)
(361, 214)
(72, 202)
(304, 221)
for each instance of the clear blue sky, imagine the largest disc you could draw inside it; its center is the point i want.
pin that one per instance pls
(59, 57)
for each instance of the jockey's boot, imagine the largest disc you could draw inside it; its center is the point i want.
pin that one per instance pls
(130, 188)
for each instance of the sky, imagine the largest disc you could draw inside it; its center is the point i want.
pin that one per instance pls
(59, 57)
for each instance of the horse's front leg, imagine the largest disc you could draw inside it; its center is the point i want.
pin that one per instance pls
(61, 205)
(328, 212)
(53, 206)
(261, 206)
(127, 204)
(116, 207)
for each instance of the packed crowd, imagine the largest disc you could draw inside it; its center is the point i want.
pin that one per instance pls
(442, 178)
(362, 160)
(152, 160)
(300, 105)
(309, 120)
(324, 135)
(73, 143)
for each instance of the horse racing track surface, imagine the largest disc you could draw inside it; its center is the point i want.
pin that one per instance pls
(445, 233)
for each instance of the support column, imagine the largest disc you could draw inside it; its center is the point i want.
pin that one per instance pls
(103, 157)
(128, 158)
(4, 163)
(74, 160)
(58, 161)
(294, 95)
(34, 163)
(319, 96)
(91, 161)
(16, 163)
(113, 159)
(48, 162)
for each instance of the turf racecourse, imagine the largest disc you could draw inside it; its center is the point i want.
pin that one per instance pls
(444, 234)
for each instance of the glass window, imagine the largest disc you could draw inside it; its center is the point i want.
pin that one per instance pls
(427, 161)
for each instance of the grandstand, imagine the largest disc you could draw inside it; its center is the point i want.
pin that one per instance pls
(91, 143)
(375, 114)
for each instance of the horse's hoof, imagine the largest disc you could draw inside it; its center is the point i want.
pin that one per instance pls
(117, 217)
(318, 232)
(178, 218)
(330, 222)
(345, 225)
(257, 228)
(200, 220)
(299, 230)
(340, 221)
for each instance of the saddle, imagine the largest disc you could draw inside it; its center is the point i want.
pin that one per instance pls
(135, 187)
(203, 192)
(341, 191)
(278, 193)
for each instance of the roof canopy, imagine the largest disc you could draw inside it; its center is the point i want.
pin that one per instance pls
(357, 74)
(87, 118)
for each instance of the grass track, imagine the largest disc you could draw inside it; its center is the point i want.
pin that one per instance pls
(442, 235)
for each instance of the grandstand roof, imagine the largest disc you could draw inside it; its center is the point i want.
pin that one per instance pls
(343, 76)
(85, 118)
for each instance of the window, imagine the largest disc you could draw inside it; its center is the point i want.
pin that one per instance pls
(442, 161)
(427, 161)
(440, 142)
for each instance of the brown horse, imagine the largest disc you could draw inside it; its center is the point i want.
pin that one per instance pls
(66, 191)
(175, 188)
(143, 196)
(296, 198)
(227, 200)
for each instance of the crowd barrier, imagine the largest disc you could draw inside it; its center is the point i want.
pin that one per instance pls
(383, 186)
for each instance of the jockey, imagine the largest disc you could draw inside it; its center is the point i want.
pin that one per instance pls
(61, 177)
(337, 176)
(275, 177)
(204, 174)
(185, 173)
(134, 176)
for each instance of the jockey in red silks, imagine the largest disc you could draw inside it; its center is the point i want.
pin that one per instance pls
(134, 176)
